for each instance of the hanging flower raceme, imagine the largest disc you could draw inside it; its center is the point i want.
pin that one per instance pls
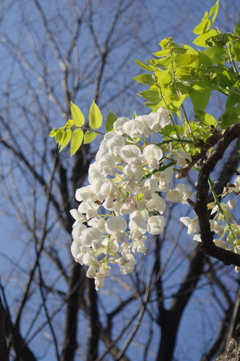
(122, 202)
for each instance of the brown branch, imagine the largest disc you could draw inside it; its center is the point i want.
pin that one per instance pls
(207, 245)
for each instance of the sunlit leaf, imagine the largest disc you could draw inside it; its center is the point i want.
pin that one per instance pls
(201, 39)
(111, 118)
(53, 132)
(237, 29)
(145, 79)
(185, 59)
(150, 95)
(77, 115)
(66, 139)
(89, 137)
(214, 11)
(95, 116)
(77, 138)
(143, 65)
(203, 27)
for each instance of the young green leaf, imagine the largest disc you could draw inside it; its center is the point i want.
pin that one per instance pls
(78, 116)
(89, 137)
(143, 65)
(201, 39)
(232, 99)
(237, 29)
(53, 132)
(111, 118)
(203, 27)
(77, 138)
(214, 11)
(95, 116)
(59, 136)
(150, 95)
(66, 139)
(199, 97)
(229, 117)
(145, 79)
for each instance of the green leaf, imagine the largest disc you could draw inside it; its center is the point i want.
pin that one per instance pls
(185, 59)
(201, 39)
(229, 117)
(69, 123)
(225, 79)
(214, 11)
(77, 138)
(66, 139)
(216, 54)
(162, 53)
(59, 135)
(203, 27)
(77, 115)
(200, 97)
(236, 51)
(232, 99)
(143, 65)
(206, 119)
(237, 29)
(145, 79)
(95, 116)
(179, 50)
(53, 132)
(89, 137)
(150, 95)
(111, 118)
(170, 130)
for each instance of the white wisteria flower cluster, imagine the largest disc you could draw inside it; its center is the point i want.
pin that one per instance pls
(122, 203)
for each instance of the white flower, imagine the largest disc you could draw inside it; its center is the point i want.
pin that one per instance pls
(108, 189)
(156, 203)
(134, 128)
(152, 154)
(106, 164)
(159, 119)
(237, 183)
(127, 263)
(192, 224)
(118, 124)
(185, 192)
(90, 236)
(77, 230)
(99, 280)
(137, 224)
(182, 157)
(155, 225)
(197, 238)
(216, 228)
(174, 195)
(115, 224)
(128, 207)
(231, 204)
(179, 194)
(219, 243)
(138, 246)
(91, 272)
(132, 174)
(164, 178)
(89, 208)
(84, 193)
(130, 151)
